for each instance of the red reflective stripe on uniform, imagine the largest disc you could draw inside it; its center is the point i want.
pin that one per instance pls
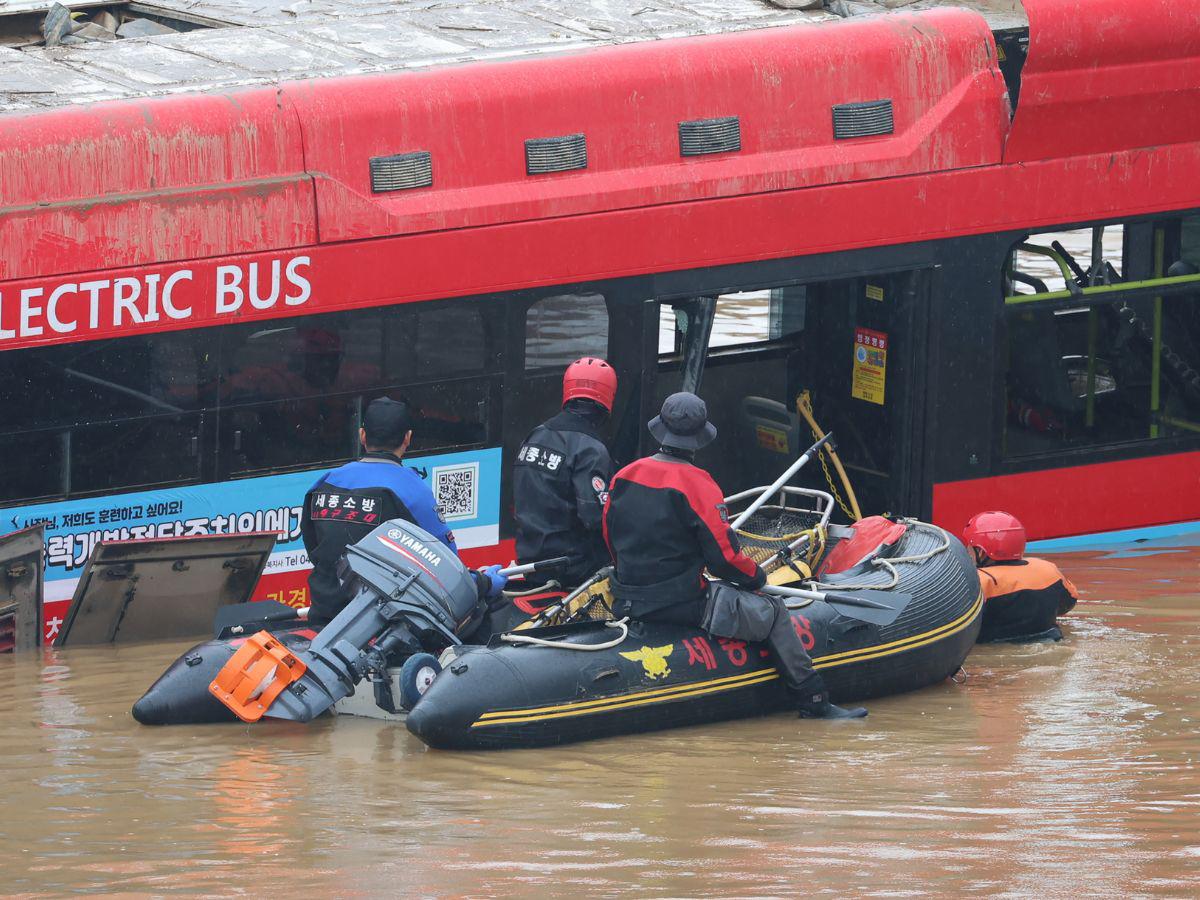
(702, 495)
(604, 517)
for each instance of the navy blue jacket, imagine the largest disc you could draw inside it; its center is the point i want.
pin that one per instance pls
(347, 504)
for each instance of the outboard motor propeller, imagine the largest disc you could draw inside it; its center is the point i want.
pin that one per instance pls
(414, 589)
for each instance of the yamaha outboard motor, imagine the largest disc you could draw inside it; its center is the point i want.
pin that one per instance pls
(415, 593)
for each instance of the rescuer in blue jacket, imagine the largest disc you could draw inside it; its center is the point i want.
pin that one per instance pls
(348, 503)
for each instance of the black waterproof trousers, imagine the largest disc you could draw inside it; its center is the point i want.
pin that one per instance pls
(731, 612)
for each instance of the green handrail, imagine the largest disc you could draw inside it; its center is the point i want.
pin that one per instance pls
(1104, 290)
(1179, 423)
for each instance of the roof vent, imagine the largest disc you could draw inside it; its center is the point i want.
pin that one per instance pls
(555, 154)
(854, 120)
(703, 136)
(401, 172)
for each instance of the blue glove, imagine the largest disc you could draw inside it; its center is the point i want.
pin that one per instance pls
(495, 579)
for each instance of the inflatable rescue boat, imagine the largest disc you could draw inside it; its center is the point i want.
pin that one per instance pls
(515, 693)
(898, 611)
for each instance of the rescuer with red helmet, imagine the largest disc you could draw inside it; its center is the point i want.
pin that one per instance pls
(1024, 596)
(666, 522)
(562, 472)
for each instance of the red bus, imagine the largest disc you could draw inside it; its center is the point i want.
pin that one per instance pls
(208, 270)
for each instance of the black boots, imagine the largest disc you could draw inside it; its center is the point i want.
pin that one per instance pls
(814, 704)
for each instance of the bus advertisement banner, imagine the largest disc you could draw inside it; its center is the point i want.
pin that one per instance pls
(466, 484)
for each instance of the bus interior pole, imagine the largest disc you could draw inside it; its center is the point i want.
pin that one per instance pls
(700, 314)
(1093, 323)
(1156, 349)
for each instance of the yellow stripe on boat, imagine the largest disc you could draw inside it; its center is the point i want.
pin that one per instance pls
(603, 703)
(916, 640)
(728, 683)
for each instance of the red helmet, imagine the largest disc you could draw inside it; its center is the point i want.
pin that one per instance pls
(591, 378)
(1000, 535)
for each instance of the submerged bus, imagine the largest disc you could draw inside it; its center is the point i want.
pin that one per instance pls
(970, 239)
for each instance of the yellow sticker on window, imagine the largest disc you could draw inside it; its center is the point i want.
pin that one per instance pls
(773, 439)
(870, 365)
(874, 292)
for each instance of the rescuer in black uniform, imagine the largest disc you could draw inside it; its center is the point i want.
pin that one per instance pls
(348, 503)
(666, 522)
(562, 474)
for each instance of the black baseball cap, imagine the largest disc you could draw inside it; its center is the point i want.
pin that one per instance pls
(386, 422)
(683, 423)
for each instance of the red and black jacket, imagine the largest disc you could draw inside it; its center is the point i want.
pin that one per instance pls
(665, 523)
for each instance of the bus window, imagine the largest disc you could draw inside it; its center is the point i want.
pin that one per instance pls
(1122, 367)
(450, 414)
(1189, 240)
(302, 357)
(125, 408)
(556, 331)
(740, 318)
(451, 340)
(562, 328)
(317, 373)
(724, 340)
(135, 453)
(33, 466)
(286, 434)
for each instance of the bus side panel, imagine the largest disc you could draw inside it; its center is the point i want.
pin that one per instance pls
(466, 483)
(150, 181)
(1107, 75)
(938, 70)
(639, 241)
(1080, 500)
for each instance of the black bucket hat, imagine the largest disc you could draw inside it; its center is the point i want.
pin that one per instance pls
(683, 423)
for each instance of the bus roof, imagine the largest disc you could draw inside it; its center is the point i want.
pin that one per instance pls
(208, 46)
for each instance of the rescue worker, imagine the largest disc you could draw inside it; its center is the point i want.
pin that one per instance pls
(665, 522)
(562, 472)
(348, 503)
(1023, 596)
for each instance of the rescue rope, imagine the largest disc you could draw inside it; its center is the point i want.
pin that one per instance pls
(622, 624)
(805, 408)
(890, 564)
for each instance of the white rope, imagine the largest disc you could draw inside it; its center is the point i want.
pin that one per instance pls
(517, 638)
(890, 564)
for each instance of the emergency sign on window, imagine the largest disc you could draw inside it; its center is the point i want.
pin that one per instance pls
(773, 439)
(870, 365)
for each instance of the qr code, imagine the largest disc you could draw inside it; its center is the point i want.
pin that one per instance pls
(457, 490)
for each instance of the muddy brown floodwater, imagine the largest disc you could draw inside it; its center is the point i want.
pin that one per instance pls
(1055, 770)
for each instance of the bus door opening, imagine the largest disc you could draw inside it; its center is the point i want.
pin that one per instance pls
(861, 367)
(839, 347)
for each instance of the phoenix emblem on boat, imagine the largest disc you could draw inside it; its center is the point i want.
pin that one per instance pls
(653, 660)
